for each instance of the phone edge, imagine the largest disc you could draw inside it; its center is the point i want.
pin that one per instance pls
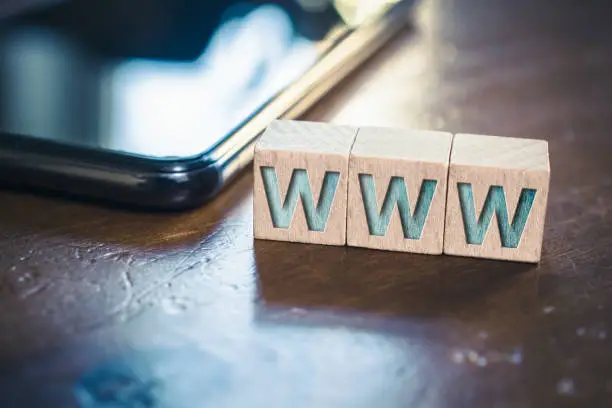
(197, 183)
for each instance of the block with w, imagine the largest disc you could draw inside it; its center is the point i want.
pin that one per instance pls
(300, 182)
(497, 196)
(397, 190)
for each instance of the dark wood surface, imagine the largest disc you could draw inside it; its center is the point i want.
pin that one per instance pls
(186, 310)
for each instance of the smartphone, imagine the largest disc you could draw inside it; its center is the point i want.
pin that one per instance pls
(158, 103)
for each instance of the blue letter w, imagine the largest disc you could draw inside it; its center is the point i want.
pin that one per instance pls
(495, 203)
(396, 193)
(299, 186)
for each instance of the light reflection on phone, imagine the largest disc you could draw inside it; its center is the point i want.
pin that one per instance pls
(158, 85)
(180, 109)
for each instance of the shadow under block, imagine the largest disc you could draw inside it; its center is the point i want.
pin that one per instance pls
(497, 197)
(397, 190)
(301, 182)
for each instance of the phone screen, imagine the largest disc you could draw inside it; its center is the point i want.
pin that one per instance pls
(160, 78)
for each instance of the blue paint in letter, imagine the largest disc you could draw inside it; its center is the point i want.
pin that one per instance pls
(299, 187)
(378, 223)
(495, 202)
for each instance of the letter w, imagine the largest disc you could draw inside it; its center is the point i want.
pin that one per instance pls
(494, 203)
(299, 187)
(396, 193)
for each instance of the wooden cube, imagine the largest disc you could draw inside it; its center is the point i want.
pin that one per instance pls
(300, 186)
(397, 190)
(497, 196)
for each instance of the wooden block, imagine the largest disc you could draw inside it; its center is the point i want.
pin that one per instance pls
(497, 195)
(397, 190)
(300, 186)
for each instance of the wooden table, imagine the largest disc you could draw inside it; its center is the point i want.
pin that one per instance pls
(186, 310)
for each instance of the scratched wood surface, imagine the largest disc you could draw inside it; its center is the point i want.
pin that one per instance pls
(184, 310)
